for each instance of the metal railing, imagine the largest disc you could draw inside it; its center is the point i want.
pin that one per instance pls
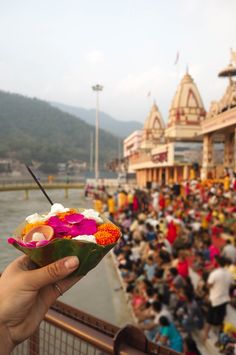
(33, 186)
(4, 180)
(69, 331)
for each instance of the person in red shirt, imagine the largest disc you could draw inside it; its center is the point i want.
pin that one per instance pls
(171, 232)
(182, 266)
(162, 202)
(187, 190)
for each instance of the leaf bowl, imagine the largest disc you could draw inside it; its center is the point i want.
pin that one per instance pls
(89, 254)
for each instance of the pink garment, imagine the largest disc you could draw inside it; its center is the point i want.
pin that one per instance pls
(137, 301)
(214, 251)
(135, 204)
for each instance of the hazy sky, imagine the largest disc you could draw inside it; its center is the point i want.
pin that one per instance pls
(57, 49)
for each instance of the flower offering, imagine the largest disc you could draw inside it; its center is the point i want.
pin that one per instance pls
(66, 231)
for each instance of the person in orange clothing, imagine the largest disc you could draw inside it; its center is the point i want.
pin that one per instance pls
(98, 205)
(122, 200)
(226, 182)
(111, 205)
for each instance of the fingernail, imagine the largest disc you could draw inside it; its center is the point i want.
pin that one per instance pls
(72, 262)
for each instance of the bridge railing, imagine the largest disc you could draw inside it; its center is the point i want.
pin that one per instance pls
(69, 331)
(44, 180)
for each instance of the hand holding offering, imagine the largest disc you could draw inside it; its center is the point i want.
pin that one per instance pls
(65, 232)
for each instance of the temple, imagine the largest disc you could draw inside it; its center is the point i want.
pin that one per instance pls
(219, 127)
(193, 143)
(186, 112)
(168, 152)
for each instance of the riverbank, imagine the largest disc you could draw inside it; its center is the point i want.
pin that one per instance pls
(100, 293)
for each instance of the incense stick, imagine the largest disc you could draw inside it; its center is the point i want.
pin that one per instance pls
(39, 184)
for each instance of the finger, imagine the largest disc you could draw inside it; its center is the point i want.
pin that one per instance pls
(51, 293)
(52, 273)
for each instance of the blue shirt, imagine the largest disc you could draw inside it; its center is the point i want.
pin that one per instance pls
(150, 271)
(174, 338)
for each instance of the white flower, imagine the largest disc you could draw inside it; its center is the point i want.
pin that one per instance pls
(34, 218)
(57, 208)
(38, 236)
(90, 213)
(87, 238)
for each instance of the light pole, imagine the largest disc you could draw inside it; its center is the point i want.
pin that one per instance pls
(97, 88)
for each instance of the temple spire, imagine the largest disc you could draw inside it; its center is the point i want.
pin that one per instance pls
(186, 110)
(154, 127)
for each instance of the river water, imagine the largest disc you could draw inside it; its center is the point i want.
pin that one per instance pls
(99, 293)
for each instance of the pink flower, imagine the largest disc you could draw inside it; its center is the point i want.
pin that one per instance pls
(11, 240)
(60, 228)
(85, 227)
(32, 244)
(73, 225)
(74, 218)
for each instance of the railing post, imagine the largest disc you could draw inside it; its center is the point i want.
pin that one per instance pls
(26, 194)
(34, 342)
(132, 336)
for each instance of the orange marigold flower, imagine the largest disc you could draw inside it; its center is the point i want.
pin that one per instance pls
(110, 229)
(105, 238)
(30, 226)
(61, 215)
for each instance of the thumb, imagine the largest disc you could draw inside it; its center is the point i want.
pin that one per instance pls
(53, 272)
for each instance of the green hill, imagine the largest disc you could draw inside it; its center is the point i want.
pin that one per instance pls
(107, 122)
(31, 129)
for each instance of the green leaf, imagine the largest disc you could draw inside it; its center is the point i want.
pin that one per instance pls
(89, 254)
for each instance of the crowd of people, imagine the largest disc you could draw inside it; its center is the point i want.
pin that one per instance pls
(177, 259)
